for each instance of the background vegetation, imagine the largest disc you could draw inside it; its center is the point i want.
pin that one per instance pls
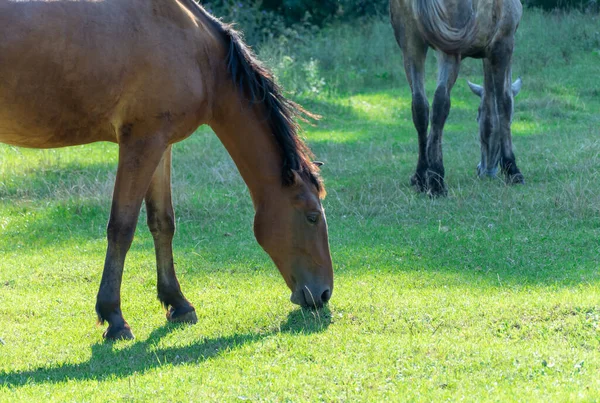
(267, 18)
(351, 53)
(489, 294)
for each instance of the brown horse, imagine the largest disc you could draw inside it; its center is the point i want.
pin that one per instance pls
(482, 29)
(145, 74)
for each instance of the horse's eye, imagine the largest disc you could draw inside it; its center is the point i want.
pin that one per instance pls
(313, 218)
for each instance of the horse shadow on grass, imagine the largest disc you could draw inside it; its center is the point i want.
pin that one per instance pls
(144, 355)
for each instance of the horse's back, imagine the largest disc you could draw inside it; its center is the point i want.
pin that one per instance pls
(498, 19)
(70, 71)
(481, 23)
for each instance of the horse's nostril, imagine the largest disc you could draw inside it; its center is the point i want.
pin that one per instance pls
(326, 295)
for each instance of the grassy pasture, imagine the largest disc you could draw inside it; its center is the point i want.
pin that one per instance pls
(492, 293)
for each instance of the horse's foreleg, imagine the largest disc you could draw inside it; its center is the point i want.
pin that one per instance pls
(448, 72)
(496, 138)
(138, 159)
(161, 222)
(500, 66)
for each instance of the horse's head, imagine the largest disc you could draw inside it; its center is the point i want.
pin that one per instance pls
(291, 227)
(494, 117)
(276, 165)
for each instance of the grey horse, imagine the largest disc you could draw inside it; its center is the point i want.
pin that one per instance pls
(482, 29)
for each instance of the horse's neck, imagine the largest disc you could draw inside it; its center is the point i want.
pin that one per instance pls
(248, 140)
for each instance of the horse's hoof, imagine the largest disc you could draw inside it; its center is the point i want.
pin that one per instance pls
(182, 315)
(516, 179)
(436, 186)
(434, 192)
(418, 182)
(123, 333)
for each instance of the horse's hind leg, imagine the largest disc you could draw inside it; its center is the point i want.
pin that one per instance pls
(414, 54)
(161, 222)
(138, 159)
(448, 72)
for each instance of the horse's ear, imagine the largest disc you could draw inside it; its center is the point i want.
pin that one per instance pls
(516, 86)
(319, 164)
(477, 89)
(295, 178)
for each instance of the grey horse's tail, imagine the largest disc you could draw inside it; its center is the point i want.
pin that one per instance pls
(434, 22)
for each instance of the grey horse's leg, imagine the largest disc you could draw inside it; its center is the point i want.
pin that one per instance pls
(508, 162)
(498, 82)
(415, 54)
(489, 135)
(448, 72)
(161, 222)
(420, 115)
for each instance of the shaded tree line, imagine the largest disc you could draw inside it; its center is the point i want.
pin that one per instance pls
(318, 12)
(293, 19)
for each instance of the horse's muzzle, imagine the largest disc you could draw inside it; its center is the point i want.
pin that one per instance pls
(314, 296)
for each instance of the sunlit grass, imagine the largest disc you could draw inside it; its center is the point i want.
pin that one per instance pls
(523, 128)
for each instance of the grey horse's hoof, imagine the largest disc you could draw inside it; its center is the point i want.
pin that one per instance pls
(516, 179)
(418, 181)
(436, 187)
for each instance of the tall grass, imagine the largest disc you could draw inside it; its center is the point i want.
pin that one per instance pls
(347, 58)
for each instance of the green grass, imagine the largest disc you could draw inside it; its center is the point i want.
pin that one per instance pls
(492, 293)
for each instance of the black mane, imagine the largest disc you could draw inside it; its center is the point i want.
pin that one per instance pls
(259, 86)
